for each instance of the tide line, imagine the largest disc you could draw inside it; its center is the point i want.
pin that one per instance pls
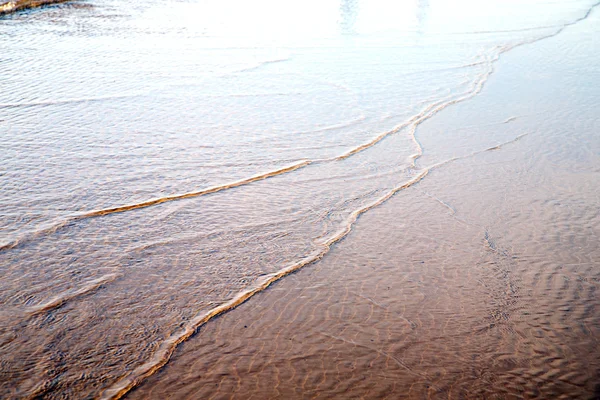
(61, 299)
(429, 112)
(425, 114)
(163, 354)
(68, 101)
(165, 351)
(160, 200)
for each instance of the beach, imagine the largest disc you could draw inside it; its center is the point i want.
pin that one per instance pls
(478, 287)
(351, 200)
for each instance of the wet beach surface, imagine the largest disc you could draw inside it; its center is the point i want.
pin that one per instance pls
(433, 184)
(481, 281)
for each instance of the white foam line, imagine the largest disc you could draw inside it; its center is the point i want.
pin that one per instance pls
(163, 354)
(62, 298)
(165, 350)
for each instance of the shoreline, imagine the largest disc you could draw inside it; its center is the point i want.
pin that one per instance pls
(436, 229)
(444, 291)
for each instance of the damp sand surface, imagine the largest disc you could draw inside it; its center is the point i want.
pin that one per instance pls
(480, 281)
(194, 208)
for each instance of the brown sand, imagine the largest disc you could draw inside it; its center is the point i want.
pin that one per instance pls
(478, 282)
(455, 300)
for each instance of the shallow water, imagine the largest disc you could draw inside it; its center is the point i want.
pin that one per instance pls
(163, 162)
(479, 282)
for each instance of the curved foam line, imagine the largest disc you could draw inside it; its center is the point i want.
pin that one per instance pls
(415, 120)
(68, 101)
(260, 65)
(114, 210)
(165, 350)
(163, 354)
(213, 189)
(61, 299)
(558, 31)
(427, 113)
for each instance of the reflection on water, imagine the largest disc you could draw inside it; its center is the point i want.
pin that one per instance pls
(348, 14)
(163, 163)
(422, 10)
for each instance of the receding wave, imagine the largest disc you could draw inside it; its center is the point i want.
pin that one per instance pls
(417, 119)
(165, 351)
(67, 101)
(210, 190)
(427, 113)
(62, 298)
(261, 65)
(160, 200)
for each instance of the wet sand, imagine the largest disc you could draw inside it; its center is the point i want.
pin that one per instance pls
(463, 297)
(431, 172)
(480, 281)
